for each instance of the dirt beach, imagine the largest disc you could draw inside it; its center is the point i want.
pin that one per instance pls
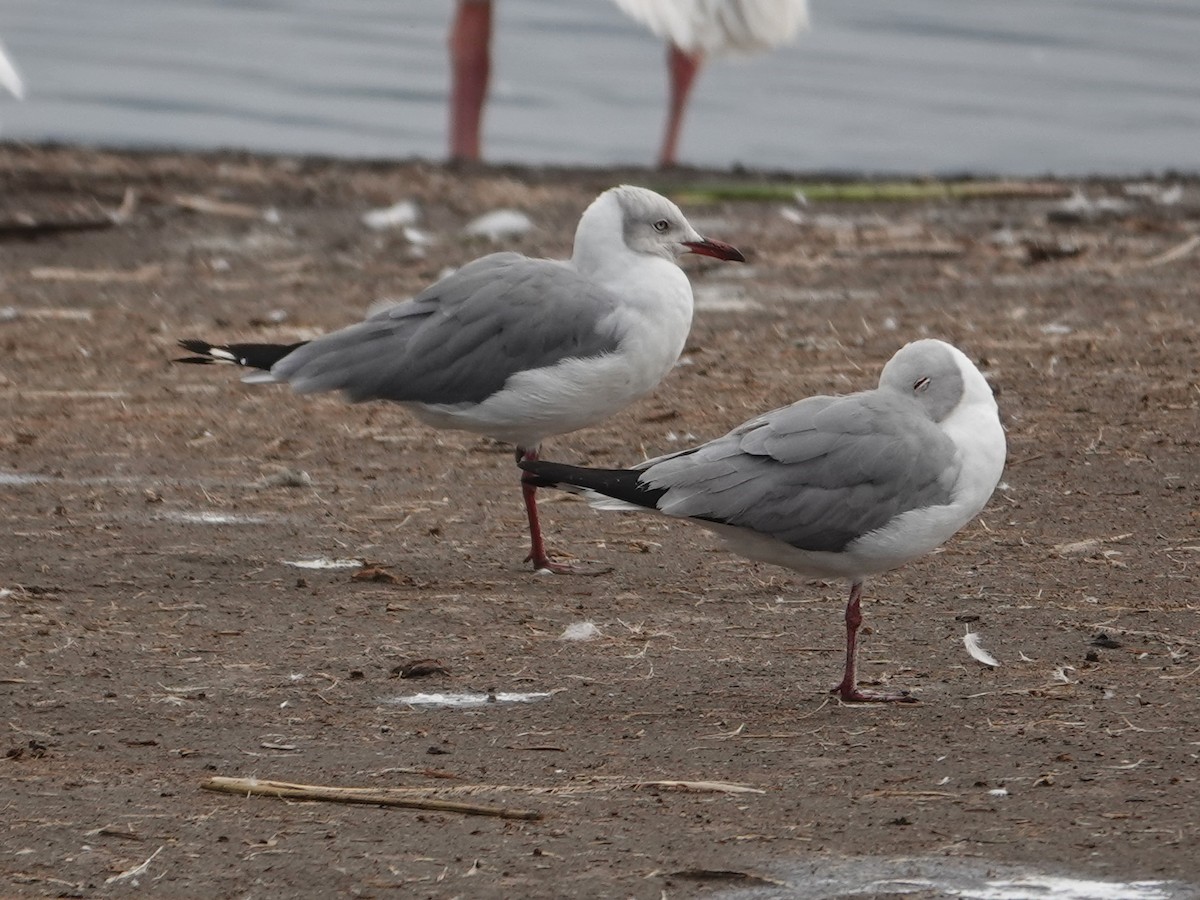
(157, 631)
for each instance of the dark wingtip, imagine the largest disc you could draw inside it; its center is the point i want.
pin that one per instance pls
(535, 470)
(620, 484)
(192, 345)
(249, 356)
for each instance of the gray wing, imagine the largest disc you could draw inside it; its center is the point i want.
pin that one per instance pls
(460, 339)
(817, 474)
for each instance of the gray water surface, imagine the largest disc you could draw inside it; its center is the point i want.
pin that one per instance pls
(945, 878)
(1020, 87)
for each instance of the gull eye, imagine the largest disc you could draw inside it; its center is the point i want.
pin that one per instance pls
(661, 225)
(921, 384)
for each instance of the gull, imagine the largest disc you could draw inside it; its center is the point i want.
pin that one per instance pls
(515, 348)
(832, 487)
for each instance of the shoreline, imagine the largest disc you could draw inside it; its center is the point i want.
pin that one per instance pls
(675, 176)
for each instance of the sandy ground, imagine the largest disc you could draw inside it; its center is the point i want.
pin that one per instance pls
(157, 634)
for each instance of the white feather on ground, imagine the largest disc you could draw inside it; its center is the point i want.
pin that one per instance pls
(580, 631)
(971, 641)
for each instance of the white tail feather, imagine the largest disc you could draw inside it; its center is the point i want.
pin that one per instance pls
(600, 501)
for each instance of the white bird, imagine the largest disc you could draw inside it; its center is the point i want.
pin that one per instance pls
(515, 348)
(721, 27)
(832, 487)
(10, 79)
(694, 30)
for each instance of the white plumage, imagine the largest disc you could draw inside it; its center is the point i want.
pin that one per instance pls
(971, 641)
(694, 30)
(719, 27)
(833, 487)
(516, 348)
(10, 79)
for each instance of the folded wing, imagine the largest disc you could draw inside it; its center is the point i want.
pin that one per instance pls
(817, 474)
(462, 338)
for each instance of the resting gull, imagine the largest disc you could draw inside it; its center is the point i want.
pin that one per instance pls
(833, 487)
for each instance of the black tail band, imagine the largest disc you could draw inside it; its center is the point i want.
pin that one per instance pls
(252, 356)
(620, 484)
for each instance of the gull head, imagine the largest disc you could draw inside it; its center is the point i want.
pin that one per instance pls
(938, 376)
(637, 220)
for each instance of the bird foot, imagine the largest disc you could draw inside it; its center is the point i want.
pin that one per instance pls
(853, 694)
(546, 566)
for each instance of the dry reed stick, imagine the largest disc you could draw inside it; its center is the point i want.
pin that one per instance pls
(373, 796)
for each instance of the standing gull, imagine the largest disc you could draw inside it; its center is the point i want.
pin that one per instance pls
(833, 487)
(515, 348)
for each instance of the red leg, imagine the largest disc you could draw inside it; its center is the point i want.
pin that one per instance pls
(471, 64)
(682, 69)
(537, 547)
(537, 550)
(848, 689)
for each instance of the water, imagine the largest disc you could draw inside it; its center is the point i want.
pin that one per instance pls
(824, 878)
(1019, 87)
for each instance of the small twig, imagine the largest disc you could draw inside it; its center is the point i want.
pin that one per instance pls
(113, 831)
(202, 204)
(140, 869)
(1045, 688)
(371, 796)
(1160, 636)
(715, 787)
(1177, 252)
(1088, 545)
(914, 795)
(1180, 677)
(140, 275)
(1023, 460)
(726, 735)
(27, 878)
